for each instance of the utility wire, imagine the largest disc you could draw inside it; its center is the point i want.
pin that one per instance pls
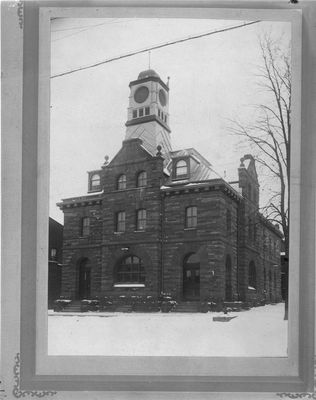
(159, 46)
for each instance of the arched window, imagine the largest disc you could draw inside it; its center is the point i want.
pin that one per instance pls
(181, 169)
(142, 179)
(252, 278)
(191, 217)
(95, 181)
(120, 221)
(141, 219)
(121, 182)
(130, 270)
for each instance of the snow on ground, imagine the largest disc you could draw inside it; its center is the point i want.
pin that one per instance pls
(259, 332)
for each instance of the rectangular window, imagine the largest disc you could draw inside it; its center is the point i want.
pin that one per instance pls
(141, 112)
(191, 217)
(120, 221)
(147, 111)
(141, 220)
(228, 221)
(85, 226)
(134, 113)
(53, 253)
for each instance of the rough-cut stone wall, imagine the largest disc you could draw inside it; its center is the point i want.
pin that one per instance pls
(143, 244)
(229, 232)
(210, 240)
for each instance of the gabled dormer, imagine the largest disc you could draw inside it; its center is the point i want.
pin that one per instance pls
(180, 168)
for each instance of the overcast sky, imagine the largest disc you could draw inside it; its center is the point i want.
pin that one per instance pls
(212, 80)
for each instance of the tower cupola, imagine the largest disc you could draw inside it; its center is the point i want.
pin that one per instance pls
(148, 111)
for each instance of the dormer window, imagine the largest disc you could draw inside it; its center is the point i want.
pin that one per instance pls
(53, 253)
(95, 181)
(181, 169)
(121, 182)
(134, 113)
(142, 179)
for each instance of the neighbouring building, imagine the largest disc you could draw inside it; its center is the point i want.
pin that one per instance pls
(162, 220)
(55, 244)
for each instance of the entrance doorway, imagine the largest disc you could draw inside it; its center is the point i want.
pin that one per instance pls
(84, 283)
(228, 279)
(191, 278)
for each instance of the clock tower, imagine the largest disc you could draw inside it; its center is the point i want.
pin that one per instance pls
(148, 112)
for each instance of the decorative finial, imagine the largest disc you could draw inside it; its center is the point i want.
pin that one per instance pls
(168, 79)
(149, 59)
(159, 150)
(106, 161)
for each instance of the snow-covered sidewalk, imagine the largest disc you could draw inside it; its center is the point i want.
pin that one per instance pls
(258, 332)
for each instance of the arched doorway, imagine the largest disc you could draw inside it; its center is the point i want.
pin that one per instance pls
(84, 282)
(228, 279)
(191, 277)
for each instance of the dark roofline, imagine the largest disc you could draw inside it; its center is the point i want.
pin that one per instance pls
(270, 225)
(147, 118)
(82, 200)
(150, 78)
(53, 221)
(217, 184)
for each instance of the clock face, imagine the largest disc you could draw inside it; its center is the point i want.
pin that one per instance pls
(162, 97)
(141, 94)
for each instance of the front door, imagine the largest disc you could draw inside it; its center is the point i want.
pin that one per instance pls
(191, 279)
(84, 281)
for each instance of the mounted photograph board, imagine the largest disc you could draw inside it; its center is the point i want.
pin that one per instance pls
(27, 368)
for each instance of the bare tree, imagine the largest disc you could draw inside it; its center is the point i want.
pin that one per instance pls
(269, 133)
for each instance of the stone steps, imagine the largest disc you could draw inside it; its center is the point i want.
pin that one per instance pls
(124, 308)
(187, 306)
(74, 306)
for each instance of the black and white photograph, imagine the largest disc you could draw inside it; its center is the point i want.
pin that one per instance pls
(169, 187)
(158, 200)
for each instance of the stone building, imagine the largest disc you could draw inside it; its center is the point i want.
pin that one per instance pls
(157, 220)
(54, 260)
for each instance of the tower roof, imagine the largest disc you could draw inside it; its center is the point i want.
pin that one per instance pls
(148, 73)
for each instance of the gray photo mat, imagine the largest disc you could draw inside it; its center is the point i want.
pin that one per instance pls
(29, 156)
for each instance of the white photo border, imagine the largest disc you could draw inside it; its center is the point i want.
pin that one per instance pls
(25, 185)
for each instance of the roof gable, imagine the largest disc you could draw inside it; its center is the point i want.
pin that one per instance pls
(130, 151)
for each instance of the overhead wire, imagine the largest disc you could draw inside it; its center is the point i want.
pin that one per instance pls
(159, 46)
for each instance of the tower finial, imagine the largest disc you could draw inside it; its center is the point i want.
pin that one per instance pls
(168, 81)
(149, 59)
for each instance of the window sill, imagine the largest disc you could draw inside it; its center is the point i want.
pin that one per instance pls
(129, 285)
(140, 230)
(190, 229)
(119, 233)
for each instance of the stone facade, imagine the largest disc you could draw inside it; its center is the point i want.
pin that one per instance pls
(164, 221)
